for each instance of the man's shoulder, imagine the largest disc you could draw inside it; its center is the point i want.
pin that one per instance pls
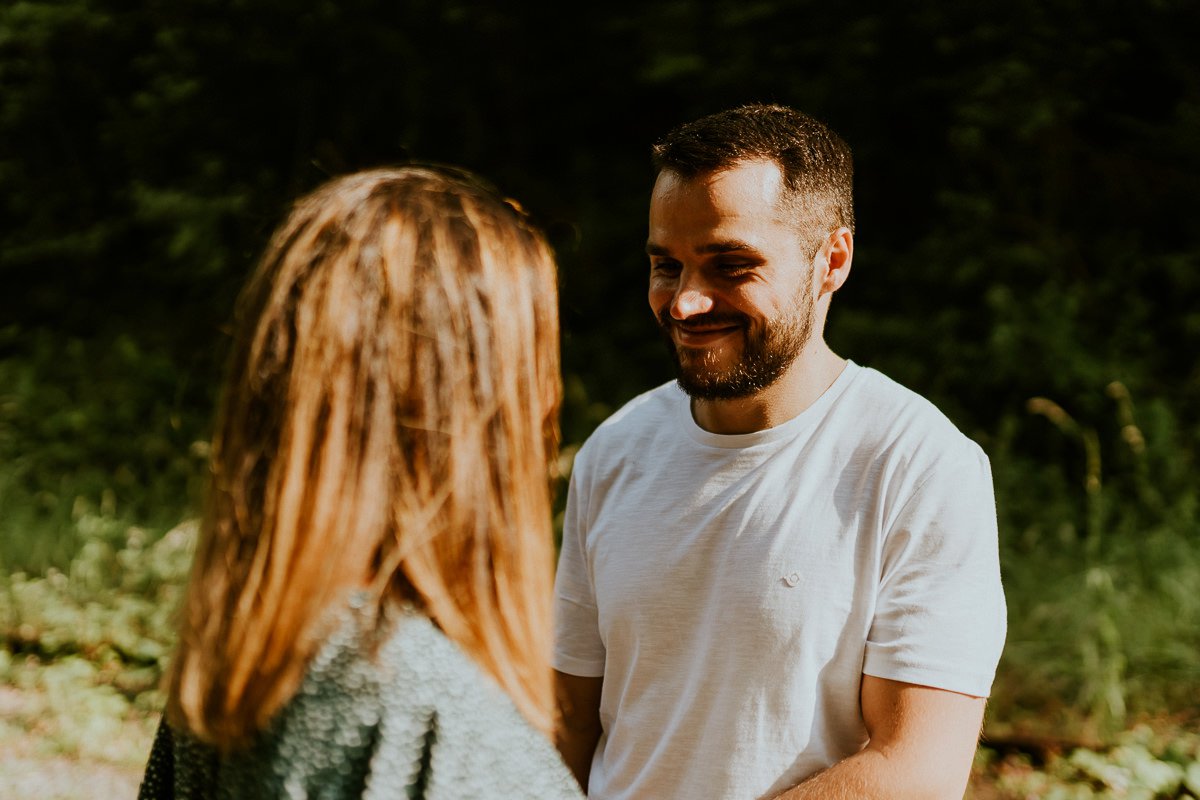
(648, 413)
(884, 408)
(884, 393)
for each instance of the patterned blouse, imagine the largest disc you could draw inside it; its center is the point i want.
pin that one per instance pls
(418, 720)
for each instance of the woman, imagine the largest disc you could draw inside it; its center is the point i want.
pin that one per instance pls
(368, 614)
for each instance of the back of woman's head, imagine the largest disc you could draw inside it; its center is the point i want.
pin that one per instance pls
(386, 426)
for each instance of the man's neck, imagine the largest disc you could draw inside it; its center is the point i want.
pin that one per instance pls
(813, 371)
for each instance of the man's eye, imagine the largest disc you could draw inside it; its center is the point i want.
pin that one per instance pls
(734, 267)
(665, 267)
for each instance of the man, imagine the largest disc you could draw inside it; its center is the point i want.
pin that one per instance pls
(781, 581)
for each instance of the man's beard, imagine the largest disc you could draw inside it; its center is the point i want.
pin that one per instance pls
(765, 355)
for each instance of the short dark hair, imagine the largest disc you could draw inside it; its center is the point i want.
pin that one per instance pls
(817, 167)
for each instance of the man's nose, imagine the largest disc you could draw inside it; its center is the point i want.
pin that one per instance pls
(692, 297)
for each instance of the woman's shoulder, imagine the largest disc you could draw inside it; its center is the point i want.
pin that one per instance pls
(475, 742)
(384, 711)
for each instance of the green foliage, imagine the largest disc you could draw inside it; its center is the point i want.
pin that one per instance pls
(1142, 765)
(85, 649)
(1101, 563)
(91, 427)
(116, 602)
(72, 707)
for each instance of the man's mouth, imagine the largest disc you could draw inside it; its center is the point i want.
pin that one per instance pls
(703, 330)
(700, 335)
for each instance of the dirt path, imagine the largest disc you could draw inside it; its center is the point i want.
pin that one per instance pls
(58, 778)
(36, 761)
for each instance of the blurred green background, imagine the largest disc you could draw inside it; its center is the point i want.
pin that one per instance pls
(1027, 257)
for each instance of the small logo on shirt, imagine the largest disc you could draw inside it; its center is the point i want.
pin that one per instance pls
(791, 579)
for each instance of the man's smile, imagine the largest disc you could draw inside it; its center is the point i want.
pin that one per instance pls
(702, 330)
(689, 335)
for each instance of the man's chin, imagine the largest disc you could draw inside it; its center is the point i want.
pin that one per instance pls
(707, 382)
(706, 385)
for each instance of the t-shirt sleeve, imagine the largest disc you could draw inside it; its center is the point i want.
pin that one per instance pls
(578, 647)
(940, 618)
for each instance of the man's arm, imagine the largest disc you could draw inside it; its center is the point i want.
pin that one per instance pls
(578, 728)
(922, 743)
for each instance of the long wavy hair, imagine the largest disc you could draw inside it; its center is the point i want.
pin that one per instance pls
(387, 425)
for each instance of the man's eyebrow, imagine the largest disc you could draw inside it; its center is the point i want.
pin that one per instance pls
(728, 246)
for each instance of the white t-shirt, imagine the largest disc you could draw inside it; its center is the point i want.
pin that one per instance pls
(732, 590)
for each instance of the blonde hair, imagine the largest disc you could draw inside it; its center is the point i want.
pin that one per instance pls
(387, 425)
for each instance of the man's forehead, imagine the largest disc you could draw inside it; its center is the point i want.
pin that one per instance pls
(721, 211)
(758, 181)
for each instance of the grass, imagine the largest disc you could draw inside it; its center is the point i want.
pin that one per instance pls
(1101, 563)
(91, 429)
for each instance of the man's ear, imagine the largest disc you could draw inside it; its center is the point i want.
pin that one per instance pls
(839, 253)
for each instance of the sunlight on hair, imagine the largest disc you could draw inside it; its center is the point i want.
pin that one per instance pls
(387, 426)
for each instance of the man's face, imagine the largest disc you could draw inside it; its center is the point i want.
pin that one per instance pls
(730, 281)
